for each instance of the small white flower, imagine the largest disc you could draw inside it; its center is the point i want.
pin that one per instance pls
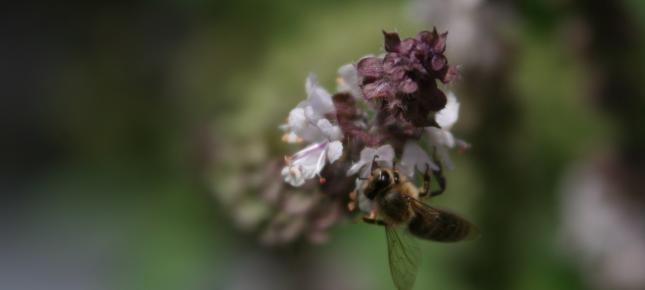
(310, 161)
(414, 157)
(384, 156)
(441, 138)
(450, 113)
(307, 122)
(347, 80)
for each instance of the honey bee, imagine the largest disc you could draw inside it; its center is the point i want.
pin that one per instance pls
(397, 206)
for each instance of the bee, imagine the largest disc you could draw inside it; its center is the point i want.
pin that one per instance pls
(397, 206)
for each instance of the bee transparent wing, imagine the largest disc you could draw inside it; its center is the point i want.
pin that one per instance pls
(404, 256)
(441, 225)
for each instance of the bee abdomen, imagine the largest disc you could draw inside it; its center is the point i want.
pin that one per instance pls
(441, 229)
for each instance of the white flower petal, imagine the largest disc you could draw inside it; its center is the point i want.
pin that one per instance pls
(320, 163)
(462, 144)
(414, 157)
(448, 115)
(307, 151)
(366, 170)
(367, 154)
(313, 167)
(449, 139)
(385, 155)
(311, 159)
(312, 134)
(445, 157)
(297, 120)
(302, 122)
(355, 168)
(334, 151)
(317, 96)
(440, 137)
(311, 114)
(292, 175)
(348, 80)
(330, 131)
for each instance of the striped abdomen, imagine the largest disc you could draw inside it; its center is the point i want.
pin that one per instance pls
(440, 226)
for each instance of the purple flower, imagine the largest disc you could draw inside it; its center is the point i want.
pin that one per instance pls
(386, 110)
(352, 122)
(404, 81)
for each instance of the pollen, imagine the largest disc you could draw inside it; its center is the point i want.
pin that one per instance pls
(351, 206)
(294, 172)
(291, 138)
(462, 148)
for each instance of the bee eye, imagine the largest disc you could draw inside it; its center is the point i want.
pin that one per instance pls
(383, 179)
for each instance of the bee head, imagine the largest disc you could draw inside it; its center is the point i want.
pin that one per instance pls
(381, 178)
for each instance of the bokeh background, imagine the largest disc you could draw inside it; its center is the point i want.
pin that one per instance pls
(128, 129)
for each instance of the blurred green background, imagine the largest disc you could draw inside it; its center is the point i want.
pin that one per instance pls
(114, 115)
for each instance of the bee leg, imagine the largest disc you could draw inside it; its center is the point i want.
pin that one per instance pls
(373, 221)
(441, 180)
(426, 182)
(353, 201)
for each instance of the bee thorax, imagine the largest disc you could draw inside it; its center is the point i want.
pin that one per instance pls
(395, 207)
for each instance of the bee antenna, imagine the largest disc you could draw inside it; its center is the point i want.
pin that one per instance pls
(374, 163)
(394, 164)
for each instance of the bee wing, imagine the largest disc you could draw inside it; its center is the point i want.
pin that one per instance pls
(442, 225)
(404, 257)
